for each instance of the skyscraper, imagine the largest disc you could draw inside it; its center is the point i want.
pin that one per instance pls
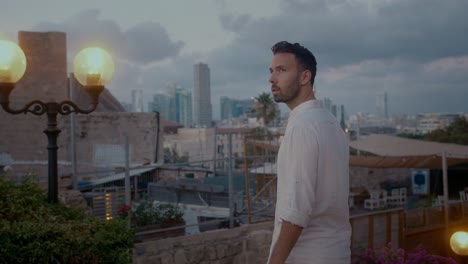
(183, 101)
(201, 97)
(232, 108)
(137, 100)
(382, 106)
(161, 104)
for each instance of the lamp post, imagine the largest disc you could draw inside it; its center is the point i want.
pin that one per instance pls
(93, 68)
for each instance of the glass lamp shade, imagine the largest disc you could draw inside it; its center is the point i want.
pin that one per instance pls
(459, 243)
(93, 67)
(12, 62)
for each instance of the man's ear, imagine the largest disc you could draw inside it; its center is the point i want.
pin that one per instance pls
(306, 76)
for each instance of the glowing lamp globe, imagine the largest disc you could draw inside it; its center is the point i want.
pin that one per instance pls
(459, 243)
(93, 67)
(12, 62)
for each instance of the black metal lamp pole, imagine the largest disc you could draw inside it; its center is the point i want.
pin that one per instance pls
(50, 108)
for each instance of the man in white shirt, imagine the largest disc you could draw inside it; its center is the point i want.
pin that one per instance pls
(312, 213)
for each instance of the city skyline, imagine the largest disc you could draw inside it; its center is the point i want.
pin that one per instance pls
(416, 50)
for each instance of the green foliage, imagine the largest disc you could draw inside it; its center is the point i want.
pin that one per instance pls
(35, 231)
(265, 108)
(457, 133)
(163, 215)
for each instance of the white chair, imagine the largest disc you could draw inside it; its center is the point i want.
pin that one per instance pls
(374, 201)
(383, 200)
(440, 200)
(402, 196)
(394, 198)
(463, 196)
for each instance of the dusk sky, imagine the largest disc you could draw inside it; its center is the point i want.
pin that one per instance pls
(415, 50)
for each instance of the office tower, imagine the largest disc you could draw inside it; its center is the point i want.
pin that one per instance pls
(334, 111)
(201, 97)
(327, 103)
(137, 100)
(382, 106)
(342, 119)
(171, 88)
(232, 108)
(183, 102)
(161, 104)
(226, 107)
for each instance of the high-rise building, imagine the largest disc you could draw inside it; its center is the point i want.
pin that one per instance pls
(232, 108)
(342, 118)
(327, 103)
(225, 105)
(334, 111)
(171, 88)
(183, 102)
(137, 100)
(382, 106)
(201, 97)
(161, 104)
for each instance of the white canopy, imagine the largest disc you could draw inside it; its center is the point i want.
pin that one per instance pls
(384, 145)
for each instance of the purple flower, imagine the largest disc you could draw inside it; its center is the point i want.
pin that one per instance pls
(390, 255)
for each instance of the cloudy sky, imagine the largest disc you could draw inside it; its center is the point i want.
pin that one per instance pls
(415, 50)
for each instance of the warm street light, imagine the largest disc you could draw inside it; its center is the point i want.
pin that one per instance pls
(459, 243)
(93, 68)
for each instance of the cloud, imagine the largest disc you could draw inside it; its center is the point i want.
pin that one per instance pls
(363, 48)
(414, 50)
(142, 44)
(234, 23)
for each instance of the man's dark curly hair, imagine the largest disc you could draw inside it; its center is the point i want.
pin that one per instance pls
(305, 58)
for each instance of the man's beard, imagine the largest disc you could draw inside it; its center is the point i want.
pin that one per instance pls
(292, 92)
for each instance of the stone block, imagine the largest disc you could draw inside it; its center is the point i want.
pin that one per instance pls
(196, 254)
(259, 238)
(179, 257)
(210, 252)
(166, 259)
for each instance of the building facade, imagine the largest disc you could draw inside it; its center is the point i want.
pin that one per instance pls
(233, 108)
(382, 106)
(201, 97)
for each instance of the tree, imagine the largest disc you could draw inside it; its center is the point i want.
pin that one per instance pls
(265, 108)
(456, 132)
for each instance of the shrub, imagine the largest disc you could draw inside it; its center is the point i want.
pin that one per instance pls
(163, 215)
(35, 231)
(399, 256)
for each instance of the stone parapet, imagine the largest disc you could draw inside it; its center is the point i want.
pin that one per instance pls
(245, 244)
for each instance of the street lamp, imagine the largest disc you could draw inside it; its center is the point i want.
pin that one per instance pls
(459, 243)
(93, 68)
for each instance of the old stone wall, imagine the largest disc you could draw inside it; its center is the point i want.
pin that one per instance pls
(243, 245)
(250, 244)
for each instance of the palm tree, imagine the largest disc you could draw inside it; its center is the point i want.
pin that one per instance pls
(265, 108)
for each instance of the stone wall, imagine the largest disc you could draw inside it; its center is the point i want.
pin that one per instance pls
(198, 143)
(250, 244)
(243, 245)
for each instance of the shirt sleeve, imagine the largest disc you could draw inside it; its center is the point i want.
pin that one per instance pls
(299, 169)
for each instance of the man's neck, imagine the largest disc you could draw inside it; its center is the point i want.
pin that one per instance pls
(301, 99)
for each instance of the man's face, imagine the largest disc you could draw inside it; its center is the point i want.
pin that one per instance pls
(284, 77)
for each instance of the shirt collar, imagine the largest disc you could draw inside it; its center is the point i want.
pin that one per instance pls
(306, 105)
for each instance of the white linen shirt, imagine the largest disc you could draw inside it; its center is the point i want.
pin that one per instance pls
(313, 186)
